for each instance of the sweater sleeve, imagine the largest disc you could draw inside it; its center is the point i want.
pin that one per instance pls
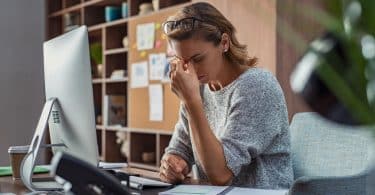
(253, 121)
(180, 143)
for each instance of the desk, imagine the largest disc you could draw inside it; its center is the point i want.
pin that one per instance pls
(8, 185)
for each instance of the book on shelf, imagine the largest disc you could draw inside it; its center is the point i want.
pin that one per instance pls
(114, 110)
(71, 21)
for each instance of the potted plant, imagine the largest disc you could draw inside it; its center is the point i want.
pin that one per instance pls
(96, 54)
(336, 75)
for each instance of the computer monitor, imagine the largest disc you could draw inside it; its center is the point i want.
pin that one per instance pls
(69, 107)
(67, 76)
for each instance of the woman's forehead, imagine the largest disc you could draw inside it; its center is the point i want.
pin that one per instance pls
(187, 48)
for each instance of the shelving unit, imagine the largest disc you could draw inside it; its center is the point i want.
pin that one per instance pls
(115, 57)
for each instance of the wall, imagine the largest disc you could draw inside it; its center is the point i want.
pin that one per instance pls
(290, 18)
(21, 71)
(255, 22)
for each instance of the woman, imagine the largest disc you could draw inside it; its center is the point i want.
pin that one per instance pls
(233, 121)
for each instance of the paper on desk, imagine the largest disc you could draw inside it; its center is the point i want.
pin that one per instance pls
(156, 102)
(139, 75)
(157, 63)
(141, 183)
(252, 191)
(108, 165)
(145, 36)
(148, 182)
(195, 189)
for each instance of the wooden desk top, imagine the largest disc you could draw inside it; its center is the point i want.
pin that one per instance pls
(8, 185)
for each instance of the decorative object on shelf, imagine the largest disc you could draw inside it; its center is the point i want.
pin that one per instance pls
(96, 54)
(148, 157)
(124, 9)
(155, 4)
(71, 21)
(112, 13)
(125, 42)
(114, 110)
(99, 70)
(98, 113)
(99, 119)
(145, 8)
(123, 140)
(118, 74)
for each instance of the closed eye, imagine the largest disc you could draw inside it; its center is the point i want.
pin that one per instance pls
(198, 59)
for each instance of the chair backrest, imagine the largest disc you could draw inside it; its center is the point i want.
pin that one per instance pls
(324, 148)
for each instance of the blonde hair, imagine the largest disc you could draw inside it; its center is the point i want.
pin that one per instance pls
(210, 26)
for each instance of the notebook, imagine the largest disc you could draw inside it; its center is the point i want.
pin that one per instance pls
(141, 183)
(195, 190)
(213, 190)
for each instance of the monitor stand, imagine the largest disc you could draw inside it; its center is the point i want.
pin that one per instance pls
(29, 161)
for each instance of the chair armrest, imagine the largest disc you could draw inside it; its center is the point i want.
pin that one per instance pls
(348, 185)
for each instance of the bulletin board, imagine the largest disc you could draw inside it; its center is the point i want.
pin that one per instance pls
(138, 98)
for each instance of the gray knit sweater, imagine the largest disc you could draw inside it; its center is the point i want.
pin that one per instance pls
(250, 119)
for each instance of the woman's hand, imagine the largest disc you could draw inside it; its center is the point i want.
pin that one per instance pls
(173, 169)
(184, 81)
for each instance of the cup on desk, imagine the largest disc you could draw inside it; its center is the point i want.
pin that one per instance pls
(16, 155)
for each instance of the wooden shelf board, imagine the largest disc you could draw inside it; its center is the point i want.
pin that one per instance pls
(101, 2)
(149, 166)
(95, 27)
(116, 22)
(97, 81)
(101, 127)
(138, 130)
(115, 51)
(135, 17)
(66, 10)
(150, 131)
(82, 5)
(142, 172)
(113, 23)
(116, 128)
(109, 80)
(107, 24)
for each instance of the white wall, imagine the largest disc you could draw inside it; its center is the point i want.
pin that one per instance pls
(22, 31)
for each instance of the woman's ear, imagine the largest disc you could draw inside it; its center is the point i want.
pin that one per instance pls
(225, 42)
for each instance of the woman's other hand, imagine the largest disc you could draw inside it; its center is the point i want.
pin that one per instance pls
(173, 169)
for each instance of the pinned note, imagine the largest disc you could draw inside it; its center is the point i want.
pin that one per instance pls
(157, 26)
(158, 44)
(157, 63)
(170, 51)
(145, 36)
(156, 102)
(139, 75)
(143, 54)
